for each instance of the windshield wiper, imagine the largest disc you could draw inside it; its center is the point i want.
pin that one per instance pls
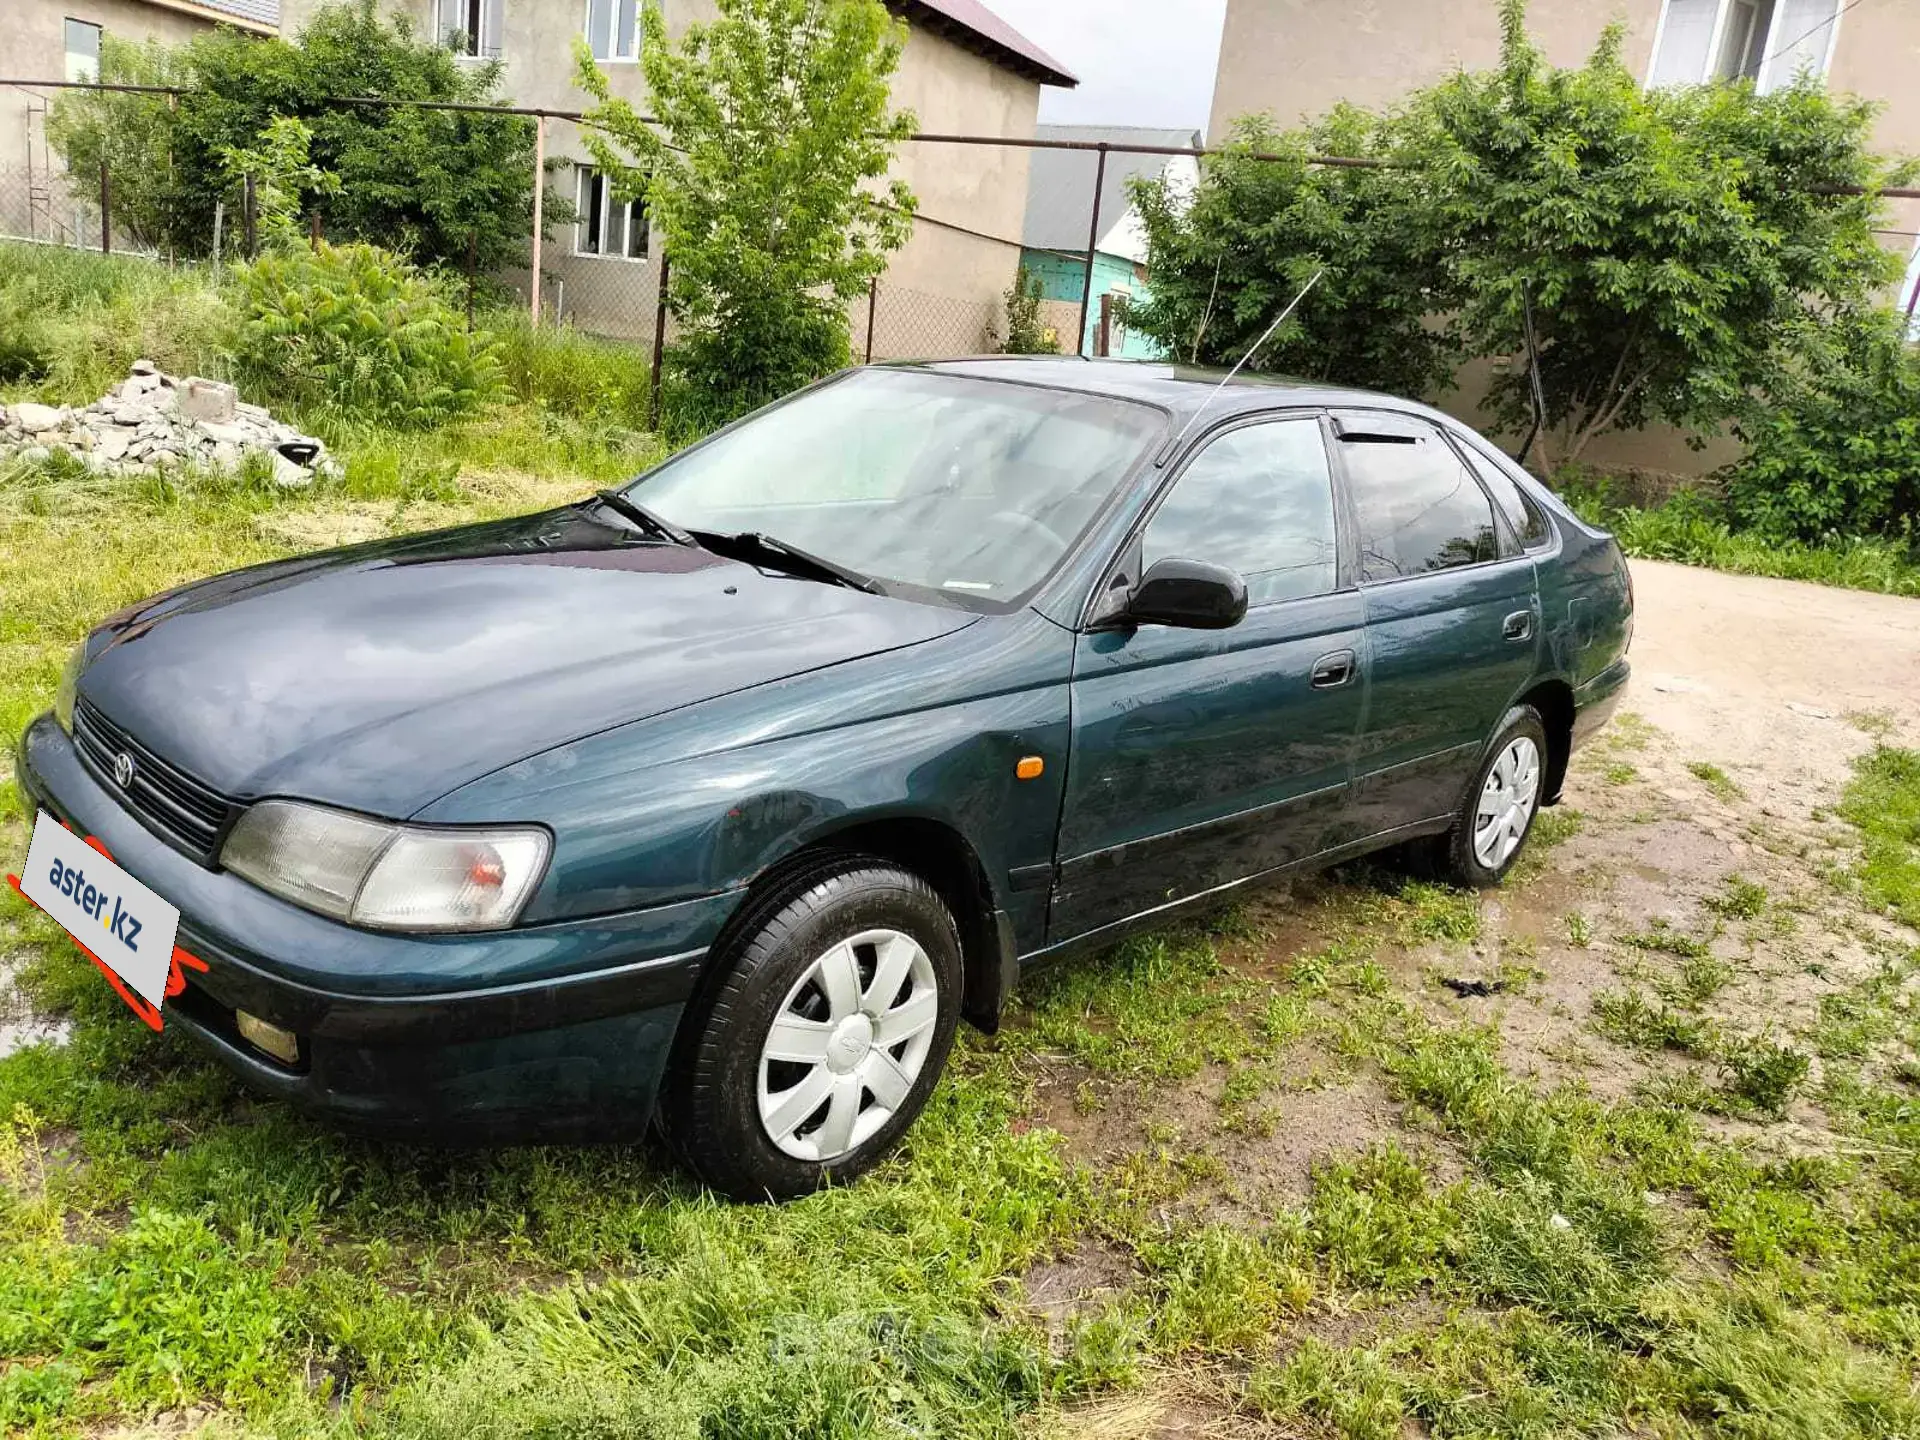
(754, 545)
(640, 515)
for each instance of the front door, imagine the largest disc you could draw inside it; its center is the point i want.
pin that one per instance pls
(1452, 620)
(1202, 757)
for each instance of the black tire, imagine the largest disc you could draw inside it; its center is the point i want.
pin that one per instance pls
(710, 1097)
(1452, 856)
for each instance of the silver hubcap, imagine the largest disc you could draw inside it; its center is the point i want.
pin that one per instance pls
(849, 1041)
(1506, 804)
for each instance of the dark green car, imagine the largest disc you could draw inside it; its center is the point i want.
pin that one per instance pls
(724, 798)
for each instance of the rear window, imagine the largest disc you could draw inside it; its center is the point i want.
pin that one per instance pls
(1417, 508)
(1526, 518)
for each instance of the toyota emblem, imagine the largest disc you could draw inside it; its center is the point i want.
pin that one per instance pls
(123, 770)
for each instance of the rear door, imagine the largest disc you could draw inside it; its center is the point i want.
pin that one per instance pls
(1452, 619)
(1202, 757)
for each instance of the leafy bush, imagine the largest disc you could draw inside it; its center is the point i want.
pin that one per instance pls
(1692, 529)
(437, 181)
(1840, 453)
(1026, 328)
(359, 330)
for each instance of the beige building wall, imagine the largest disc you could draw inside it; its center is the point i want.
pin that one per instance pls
(942, 291)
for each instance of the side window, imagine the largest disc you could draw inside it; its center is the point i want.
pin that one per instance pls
(1522, 514)
(1414, 504)
(1259, 501)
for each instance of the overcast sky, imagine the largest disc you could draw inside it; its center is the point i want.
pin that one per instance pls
(1140, 62)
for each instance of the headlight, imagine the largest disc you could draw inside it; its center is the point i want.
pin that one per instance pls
(69, 687)
(386, 876)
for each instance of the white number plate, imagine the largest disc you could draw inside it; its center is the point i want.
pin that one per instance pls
(115, 919)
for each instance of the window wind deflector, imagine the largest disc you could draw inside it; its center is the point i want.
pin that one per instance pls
(1351, 432)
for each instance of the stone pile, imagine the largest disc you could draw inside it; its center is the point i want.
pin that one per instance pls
(152, 421)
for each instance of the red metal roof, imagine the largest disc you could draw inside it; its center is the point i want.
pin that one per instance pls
(973, 25)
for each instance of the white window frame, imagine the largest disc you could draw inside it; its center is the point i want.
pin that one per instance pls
(1723, 13)
(482, 44)
(79, 74)
(583, 176)
(613, 30)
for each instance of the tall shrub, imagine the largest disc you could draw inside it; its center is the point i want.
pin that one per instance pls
(360, 331)
(438, 184)
(1836, 450)
(763, 173)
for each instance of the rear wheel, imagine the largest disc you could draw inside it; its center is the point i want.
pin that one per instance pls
(827, 1031)
(1491, 830)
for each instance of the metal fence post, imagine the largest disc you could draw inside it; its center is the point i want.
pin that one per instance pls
(873, 310)
(659, 345)
(106, 211)
(250, 218)
(539, 206)
(473, 271)
(1093, 242)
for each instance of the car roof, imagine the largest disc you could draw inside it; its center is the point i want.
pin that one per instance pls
(1179, 389)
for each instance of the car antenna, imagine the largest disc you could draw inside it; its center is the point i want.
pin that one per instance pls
(1172, 447)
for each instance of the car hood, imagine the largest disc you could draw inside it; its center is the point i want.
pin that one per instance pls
(382, 676)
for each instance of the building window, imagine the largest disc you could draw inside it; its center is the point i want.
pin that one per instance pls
(83, 51)
(472, 27)
(609, 228)
(613, 29)
(1770, 42)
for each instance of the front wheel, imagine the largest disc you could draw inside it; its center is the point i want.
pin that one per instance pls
(1497, 817)
(827, 1031)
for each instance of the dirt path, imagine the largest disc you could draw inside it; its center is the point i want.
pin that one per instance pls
(1776, 680)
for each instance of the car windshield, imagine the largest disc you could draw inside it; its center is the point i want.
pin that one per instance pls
(972, 488)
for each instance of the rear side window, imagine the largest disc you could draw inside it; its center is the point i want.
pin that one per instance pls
(1259, 501)
(1415, 505)
(1522, 514)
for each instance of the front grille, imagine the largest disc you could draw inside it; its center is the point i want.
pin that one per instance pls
(188, 815)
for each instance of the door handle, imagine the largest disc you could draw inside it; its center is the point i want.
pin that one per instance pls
(1518, 626)
(1330, 672)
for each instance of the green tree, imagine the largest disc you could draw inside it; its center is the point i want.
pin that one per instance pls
(280, 172)
(430, 183)
(773, 136)
(1228, 258)
(1673, 243)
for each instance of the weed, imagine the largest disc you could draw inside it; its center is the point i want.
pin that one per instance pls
(1764, 1074)
(1579, 930)
(1660, 937)
(1739, 899)
(1619, 772)
(1715, 779)
(1629, 1018)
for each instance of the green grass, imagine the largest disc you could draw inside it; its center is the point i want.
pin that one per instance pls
(1723, 785)
(1883, 803)
(1539, 1261)
(1687, 532)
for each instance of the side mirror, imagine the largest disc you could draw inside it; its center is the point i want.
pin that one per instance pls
(1188, 595)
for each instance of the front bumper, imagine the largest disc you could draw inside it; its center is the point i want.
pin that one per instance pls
(546, 1032)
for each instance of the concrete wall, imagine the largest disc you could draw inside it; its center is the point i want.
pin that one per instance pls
(1297, 58)
(33, 44)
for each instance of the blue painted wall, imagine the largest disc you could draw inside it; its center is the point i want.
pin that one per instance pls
(1062, 277)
